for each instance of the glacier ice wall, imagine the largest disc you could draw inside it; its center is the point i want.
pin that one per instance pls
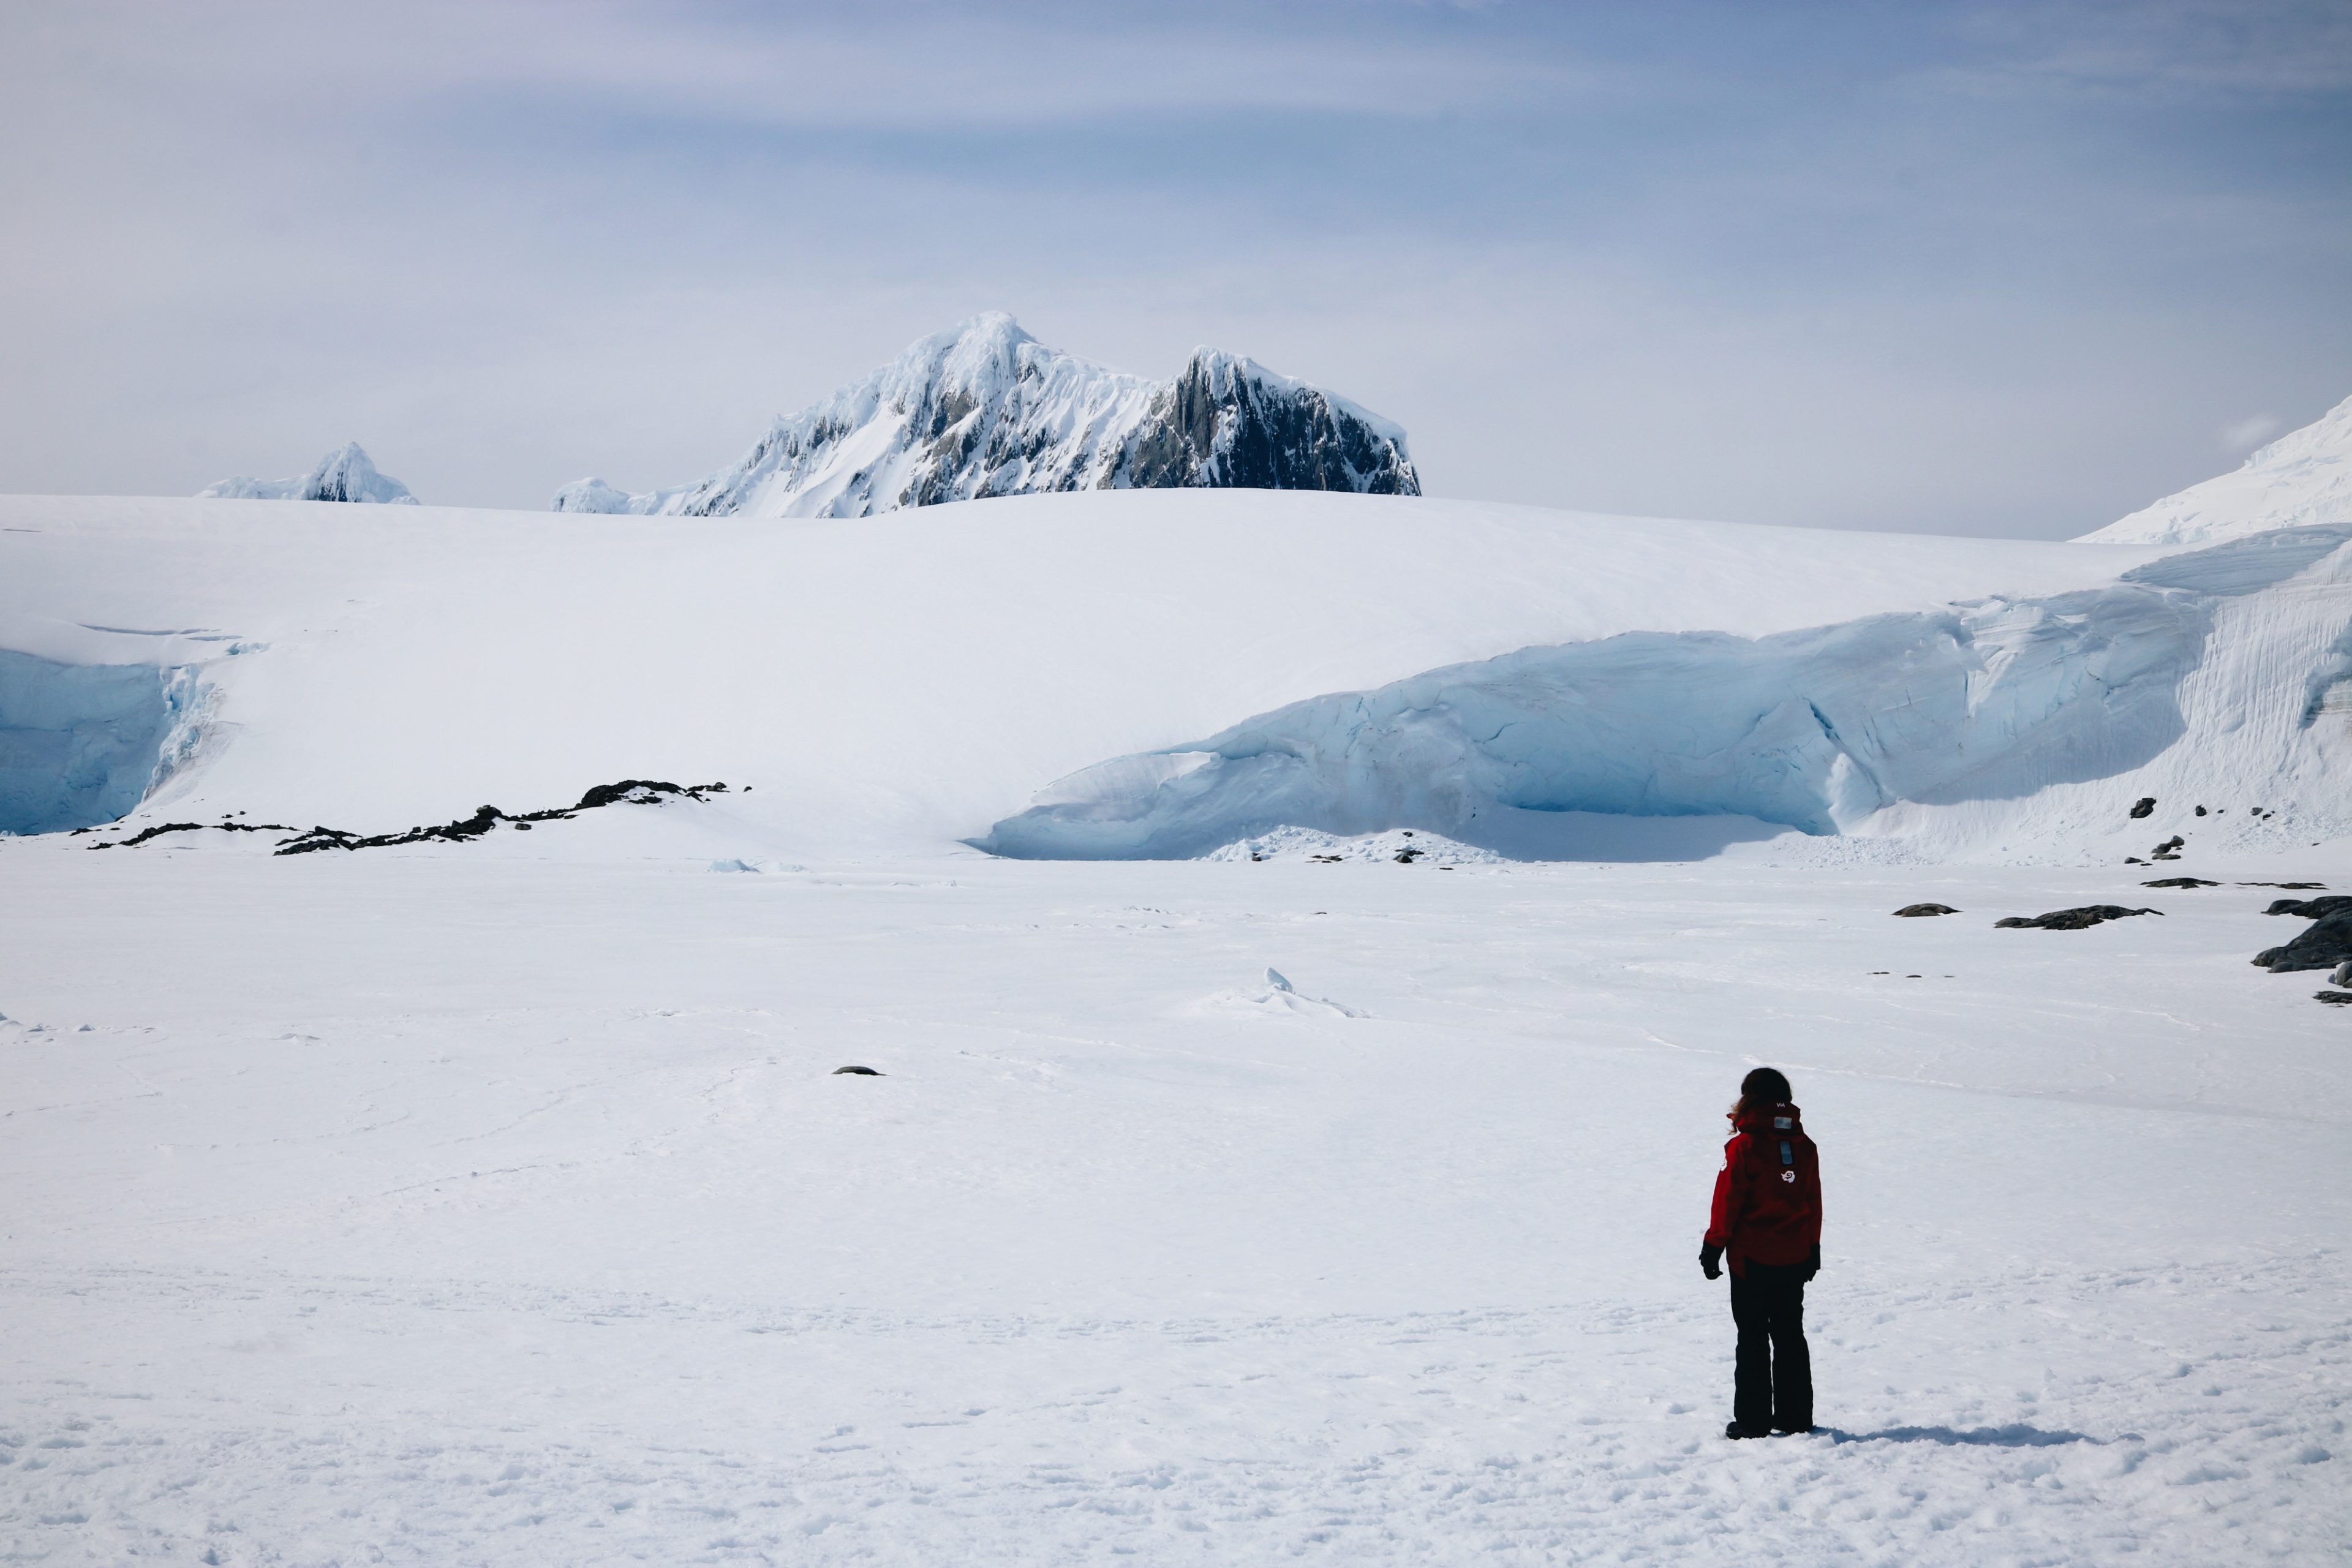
(83, 743)
(1815, 729)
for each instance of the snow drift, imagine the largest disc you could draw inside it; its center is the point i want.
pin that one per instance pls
(2303, 479)
(345, 474)
(987, 410)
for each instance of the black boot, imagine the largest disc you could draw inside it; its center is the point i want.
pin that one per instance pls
(1737, 1430)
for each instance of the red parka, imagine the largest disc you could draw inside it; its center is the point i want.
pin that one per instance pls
(1767, 1197)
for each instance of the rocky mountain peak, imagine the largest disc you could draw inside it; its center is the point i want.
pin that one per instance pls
(345, 474)
(985, 409)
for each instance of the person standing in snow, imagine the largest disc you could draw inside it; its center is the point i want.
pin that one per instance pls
(1767, 1216)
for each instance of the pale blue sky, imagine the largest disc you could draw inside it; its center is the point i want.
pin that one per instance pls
(1995, 268)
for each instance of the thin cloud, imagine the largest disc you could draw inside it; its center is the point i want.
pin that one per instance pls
(2245, 435)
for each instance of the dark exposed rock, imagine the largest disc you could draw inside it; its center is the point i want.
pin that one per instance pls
(1408, 855)
(859, 1072)
(607, 795)
(2333, 998)
(1227, 424)
(2201, 811)
(2310, 909)
(2326, 943)
(2144, 806)
(2180, 882)
(2076, 919)
(222, 825)
(1913, 910)
(634, 792)
(2282, 884)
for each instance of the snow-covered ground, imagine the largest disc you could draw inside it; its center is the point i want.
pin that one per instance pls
(498, 1200)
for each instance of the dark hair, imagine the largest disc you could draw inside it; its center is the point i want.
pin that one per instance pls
(1763, 1087)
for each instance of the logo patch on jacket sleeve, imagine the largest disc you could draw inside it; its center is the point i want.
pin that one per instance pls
(1788, 1175)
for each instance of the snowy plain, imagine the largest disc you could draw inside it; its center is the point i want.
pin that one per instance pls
(497, 1202)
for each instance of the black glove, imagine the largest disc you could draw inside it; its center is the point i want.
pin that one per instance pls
(1710, 1260)
(1814, 1263)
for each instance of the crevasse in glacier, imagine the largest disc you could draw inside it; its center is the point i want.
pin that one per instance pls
(83, 743)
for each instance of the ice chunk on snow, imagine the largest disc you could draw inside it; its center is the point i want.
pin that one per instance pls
(1280, 996)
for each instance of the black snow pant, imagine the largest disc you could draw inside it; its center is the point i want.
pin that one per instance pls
(1773, 1377)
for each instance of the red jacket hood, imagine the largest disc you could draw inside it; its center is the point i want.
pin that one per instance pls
(1772, 1119)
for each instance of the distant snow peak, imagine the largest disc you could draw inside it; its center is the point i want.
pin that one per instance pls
(2302, 480)
(344, 474)
(985, 409)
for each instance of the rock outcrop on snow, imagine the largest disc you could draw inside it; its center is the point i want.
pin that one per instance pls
(2326, 943)
(987, 410)
(2302, 479)
(2081, 919)
(344, 474)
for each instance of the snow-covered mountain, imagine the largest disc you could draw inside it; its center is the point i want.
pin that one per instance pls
(344, 474)
(987, 410)
(2303, 477)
